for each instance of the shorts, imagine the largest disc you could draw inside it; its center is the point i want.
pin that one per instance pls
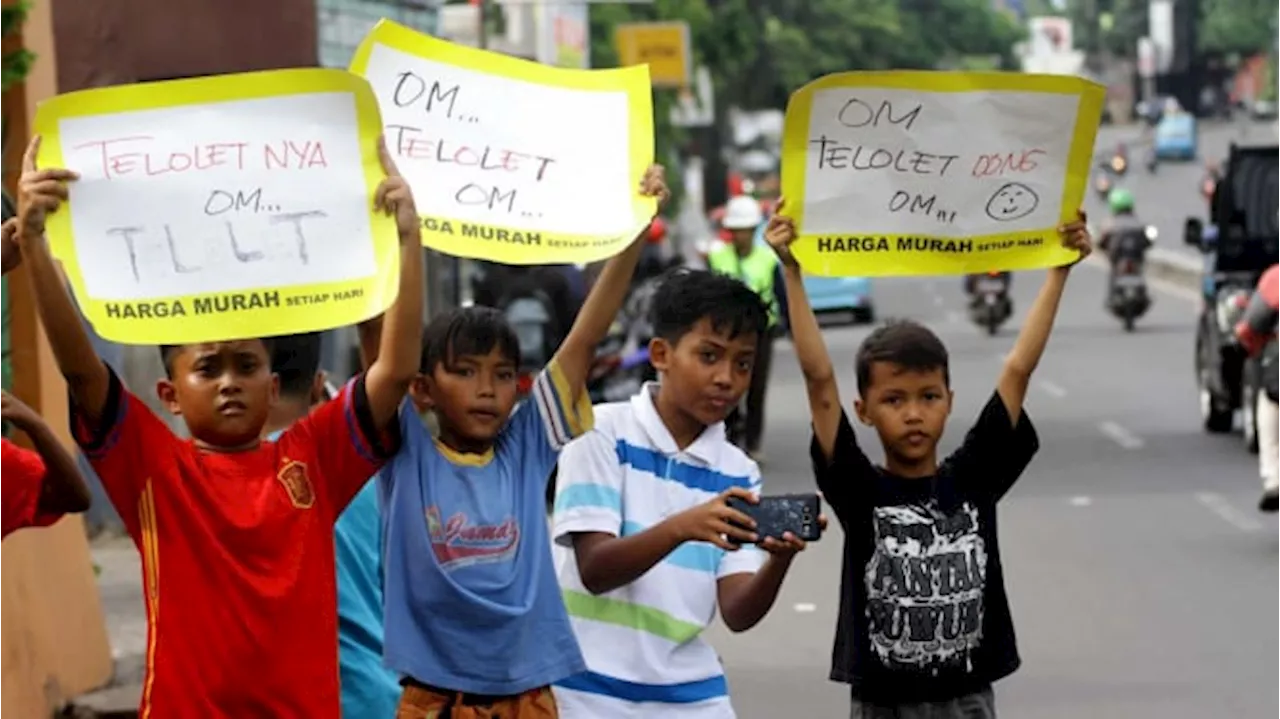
(979, 705)
(419, 701)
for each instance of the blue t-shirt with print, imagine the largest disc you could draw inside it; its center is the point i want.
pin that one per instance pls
(472, 600)
(369, 689)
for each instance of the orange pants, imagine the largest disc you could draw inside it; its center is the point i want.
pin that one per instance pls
(418, 702)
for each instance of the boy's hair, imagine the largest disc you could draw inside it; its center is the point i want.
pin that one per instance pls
(474, 330)
(168, 353)
(908, 344)
(686, 296)
(296, 359)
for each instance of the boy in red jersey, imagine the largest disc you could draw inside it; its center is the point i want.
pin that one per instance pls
(236, 533)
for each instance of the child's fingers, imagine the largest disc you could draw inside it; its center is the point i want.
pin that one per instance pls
(380, 196)
(29, 157)
(59, 174)
(51, 188)
(384, 157)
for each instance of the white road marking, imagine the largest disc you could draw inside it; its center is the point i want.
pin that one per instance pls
(954, 317)
(805, 607)
(1081, 501)
(1051, 389)
(1218, 504)
(1120, 435)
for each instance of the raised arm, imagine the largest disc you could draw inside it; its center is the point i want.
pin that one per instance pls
(1029, 347)
(605, 299)
(39, 193)
(63, 490)
(390, 372)
(811, 350)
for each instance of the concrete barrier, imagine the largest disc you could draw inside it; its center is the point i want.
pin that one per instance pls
(1178, 268)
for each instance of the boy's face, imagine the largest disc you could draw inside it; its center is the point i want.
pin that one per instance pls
(472, 397)
(223, 390)
(908, 408)
(706, 372)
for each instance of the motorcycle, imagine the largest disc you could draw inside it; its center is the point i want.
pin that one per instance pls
(991, 304)
(1119, 164)
(534, 324)
(1128, 298)
(1102, 183)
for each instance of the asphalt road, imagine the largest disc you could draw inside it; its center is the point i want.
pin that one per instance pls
(1172, 194)
(1142, 580)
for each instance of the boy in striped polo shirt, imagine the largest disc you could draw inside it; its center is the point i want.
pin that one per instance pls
(647, 545)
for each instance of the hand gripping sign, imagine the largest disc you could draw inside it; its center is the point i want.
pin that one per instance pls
(221, 208)
(926, 173)
(509, 160)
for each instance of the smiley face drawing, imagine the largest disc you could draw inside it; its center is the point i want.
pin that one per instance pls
(1013, 201)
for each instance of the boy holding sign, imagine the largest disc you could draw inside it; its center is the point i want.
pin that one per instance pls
(474, 618)
(913, 647)
(236, 533)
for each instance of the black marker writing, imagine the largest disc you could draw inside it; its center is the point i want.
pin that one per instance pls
(858, 113)
(241, 255)
(919, 204)
(221, 201)
(835, 155)
(410, 88)
(127, 233)
(173, 252)
(296, 218)
(473, 194)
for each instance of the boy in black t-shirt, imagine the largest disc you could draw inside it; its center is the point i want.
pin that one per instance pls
(924, 624)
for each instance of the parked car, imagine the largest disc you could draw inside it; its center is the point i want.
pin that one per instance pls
(1176, 137)
(841, 295)
(1239, 244)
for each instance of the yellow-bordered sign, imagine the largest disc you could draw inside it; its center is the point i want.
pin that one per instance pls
(916, 173)
(509, 160)
(663, 46)
(223, 207)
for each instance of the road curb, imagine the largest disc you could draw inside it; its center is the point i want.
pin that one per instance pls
(1177, 268)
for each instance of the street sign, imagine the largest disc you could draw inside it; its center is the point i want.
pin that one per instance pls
(663, 46)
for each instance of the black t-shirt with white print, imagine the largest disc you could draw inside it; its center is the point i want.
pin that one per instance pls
(923, 612)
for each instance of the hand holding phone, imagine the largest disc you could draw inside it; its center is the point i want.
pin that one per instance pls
(799, 514)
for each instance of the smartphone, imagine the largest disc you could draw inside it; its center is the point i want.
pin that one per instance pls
(780, 513)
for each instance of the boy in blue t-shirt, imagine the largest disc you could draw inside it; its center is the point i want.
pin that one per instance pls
(369, 690)
(473, 610)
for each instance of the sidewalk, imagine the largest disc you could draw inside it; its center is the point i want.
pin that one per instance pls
(120, 587)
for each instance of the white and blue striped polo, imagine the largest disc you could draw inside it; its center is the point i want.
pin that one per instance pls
(642, 642)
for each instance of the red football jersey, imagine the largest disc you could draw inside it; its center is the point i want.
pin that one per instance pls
(22, 480)
(237, 555)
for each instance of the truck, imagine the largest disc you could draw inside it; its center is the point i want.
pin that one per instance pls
(1239, 243)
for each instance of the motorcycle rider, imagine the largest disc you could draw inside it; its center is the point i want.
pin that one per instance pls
(1125, 236)
(754, 264)
(1257, 334)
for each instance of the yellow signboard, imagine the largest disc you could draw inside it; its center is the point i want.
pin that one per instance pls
(663, 46)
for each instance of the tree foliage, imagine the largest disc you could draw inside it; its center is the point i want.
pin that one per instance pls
(1223, 26)
(760, 51)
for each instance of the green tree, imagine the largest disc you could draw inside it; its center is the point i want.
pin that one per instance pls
(1237, 26)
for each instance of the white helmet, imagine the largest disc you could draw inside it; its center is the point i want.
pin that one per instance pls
(742, 213)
